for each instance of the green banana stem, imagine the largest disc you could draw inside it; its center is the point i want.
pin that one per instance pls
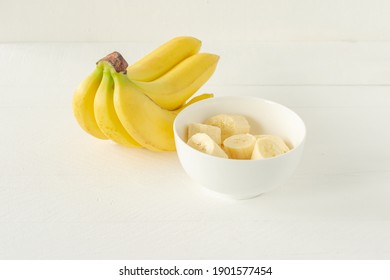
(116, 60)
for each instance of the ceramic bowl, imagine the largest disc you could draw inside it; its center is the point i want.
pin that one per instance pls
(241, 179)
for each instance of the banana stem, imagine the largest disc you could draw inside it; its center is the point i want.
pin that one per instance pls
(116, 60)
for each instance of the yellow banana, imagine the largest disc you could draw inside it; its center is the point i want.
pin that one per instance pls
(194, 100)
(83, 103)
(148, 123)
(106, 117)
(171, 90)
(162, 59)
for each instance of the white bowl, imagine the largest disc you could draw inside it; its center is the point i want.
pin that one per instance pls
(241, 179)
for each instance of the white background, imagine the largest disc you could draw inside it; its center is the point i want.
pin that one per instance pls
(210, 20)
(65, 195)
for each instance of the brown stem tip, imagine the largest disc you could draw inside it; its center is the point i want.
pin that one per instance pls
(116, 60)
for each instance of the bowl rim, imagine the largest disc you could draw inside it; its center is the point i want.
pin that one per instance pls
(249, 97)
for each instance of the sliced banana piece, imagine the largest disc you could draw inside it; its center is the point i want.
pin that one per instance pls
(229, 124)
(269, 146)
(213, 131)
(205, 144)
(239, 146)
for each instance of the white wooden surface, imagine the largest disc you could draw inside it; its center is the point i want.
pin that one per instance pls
(65, 195)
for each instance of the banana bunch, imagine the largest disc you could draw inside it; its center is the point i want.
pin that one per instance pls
(136, 105)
